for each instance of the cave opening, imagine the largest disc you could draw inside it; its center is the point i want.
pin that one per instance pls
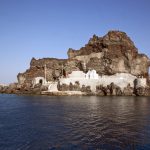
(41, 81)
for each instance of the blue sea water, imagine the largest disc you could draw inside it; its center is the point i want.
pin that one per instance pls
(74, 122)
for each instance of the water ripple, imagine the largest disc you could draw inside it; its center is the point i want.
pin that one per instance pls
(49, 123)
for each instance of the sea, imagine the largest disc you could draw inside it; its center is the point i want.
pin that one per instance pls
(29, 122)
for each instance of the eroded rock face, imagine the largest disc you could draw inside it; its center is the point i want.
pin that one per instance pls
(113, 53)
(55, 68)
(37, 68)
(116, 54)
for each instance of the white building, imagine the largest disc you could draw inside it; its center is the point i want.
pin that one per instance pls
(92, 79)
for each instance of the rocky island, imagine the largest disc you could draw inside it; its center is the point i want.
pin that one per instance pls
(108, 65)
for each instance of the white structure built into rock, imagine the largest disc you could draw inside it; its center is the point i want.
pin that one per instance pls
(92, 79)
(39, 80)
(76, 74)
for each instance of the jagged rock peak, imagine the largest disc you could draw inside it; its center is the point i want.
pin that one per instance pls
(113, 36)
(113, 41)
(119, 37)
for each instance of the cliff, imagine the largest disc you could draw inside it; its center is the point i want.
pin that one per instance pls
(113, 53)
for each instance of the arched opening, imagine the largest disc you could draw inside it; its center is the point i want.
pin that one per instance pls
(41, 81)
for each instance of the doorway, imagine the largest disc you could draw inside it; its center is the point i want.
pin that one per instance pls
(41, 81)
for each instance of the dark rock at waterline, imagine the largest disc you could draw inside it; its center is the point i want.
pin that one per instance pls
(109, 90)
(141, 91)
(128, 91)
(99, 90)
(1, 88)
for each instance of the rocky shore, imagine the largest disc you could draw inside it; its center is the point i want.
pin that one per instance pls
(16, 88)
(110, 90)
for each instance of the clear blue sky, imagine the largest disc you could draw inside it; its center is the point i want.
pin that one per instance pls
(47, 28)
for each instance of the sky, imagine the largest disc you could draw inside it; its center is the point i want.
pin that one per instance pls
(48, 28)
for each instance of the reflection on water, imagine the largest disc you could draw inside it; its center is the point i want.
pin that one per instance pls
(42, 123)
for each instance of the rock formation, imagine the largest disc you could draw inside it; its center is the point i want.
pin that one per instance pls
(110, 54)
(113, 53)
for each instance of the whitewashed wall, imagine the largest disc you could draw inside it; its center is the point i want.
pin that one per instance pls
(120, 79)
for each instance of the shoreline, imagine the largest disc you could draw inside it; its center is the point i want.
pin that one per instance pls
(69, 94)
(110, 90)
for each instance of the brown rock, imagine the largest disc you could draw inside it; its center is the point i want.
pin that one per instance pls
(128, 91)
(86, 89)
(64, 87)
(118, 54)
(99, 90)
(113, 53)
(1, 89)
(142, 91)
(43, 88)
